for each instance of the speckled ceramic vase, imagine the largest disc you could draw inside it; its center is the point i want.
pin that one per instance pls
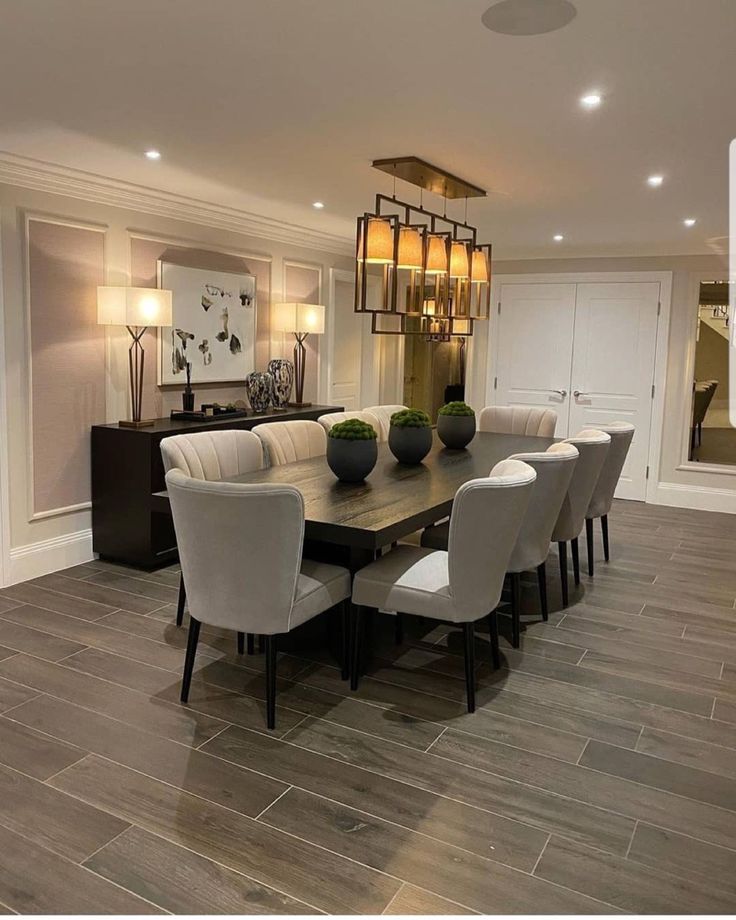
(282, 371)
(259, 389)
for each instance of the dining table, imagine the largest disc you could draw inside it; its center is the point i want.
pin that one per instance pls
(351, 523)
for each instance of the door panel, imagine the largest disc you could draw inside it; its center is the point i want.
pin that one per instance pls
(347, 351)
(613, 367)
(535, 342)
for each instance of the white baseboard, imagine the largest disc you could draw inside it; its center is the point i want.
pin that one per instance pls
(36, 559)
(699, 498)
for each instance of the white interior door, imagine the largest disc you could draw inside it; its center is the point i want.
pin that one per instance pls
(534, 351)
(350, 369)
(613, 367)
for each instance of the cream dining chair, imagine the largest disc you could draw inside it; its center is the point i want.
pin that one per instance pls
(554, 468)
(592, 446)
(621, 434)
(383, 414)
(211, 456)
(518, 420)
(287, 442)
(240, 547)
(333, 418)
(463, 584)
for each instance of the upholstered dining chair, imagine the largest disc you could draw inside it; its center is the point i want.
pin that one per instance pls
(211, 456)
(287, 442)
(554, 468)
(592, 446)
(240, 546)
(621, 434)
(332, 418)
(463, 584)
(518, 420)
(383, 414)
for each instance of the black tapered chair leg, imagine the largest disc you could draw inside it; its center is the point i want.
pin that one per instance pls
(399, 628)
(493, 633)
(241, 643)
(562, 549)
(604, 531)
(192, 640)
(542, 582)
(356, 636)
(575, 560)
(271, 681)
(181, 602)
(515, 608)
(250, 642)
(590, 546)
(345, 638)
(469, 636)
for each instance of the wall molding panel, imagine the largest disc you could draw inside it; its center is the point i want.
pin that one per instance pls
(75, 183)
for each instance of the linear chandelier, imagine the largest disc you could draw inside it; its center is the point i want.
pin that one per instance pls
(419, 272)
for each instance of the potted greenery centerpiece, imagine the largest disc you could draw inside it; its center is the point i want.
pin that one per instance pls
(351, 450)
(410, 435)
(456, 425)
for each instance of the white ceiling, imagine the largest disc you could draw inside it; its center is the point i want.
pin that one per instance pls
(267, 105)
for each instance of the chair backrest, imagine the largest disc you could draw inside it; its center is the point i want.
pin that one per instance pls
(592, 445)
(518, 420)
(332, 418)
(486, 517)
(213, 455)
(703, 394)
(240, 548)
(286, 442)
(554, 468)
(621, 434)
(383, 414)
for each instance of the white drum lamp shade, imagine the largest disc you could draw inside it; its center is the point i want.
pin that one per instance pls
(301, 319)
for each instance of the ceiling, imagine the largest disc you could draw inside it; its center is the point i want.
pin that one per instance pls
(268, 105)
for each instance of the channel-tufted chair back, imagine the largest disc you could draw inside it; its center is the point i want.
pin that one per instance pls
(213, 455)
(518, 420)
(287, 442)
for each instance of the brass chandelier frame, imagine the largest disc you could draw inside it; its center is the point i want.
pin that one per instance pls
(447, 305)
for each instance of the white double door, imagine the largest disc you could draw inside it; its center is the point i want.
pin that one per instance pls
(586, 350)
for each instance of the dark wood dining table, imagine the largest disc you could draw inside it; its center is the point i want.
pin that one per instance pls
(350, 523)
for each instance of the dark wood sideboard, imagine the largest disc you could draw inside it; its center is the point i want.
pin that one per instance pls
(127, 469)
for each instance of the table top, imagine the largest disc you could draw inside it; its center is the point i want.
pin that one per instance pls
(396, 499)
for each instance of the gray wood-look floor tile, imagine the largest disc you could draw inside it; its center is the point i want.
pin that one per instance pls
(725, 710)
(36, 642)
(411, 901)
(100, 594)
(138, 586)
(12, 694)
(30, 752)
(163, 873)
(35, 596)
(711, 757)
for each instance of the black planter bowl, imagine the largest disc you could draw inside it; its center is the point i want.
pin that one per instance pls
(456, 431)
(351, 461)
(409, 445)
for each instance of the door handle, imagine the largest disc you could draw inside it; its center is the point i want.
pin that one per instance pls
(578, 393)
(562, 393)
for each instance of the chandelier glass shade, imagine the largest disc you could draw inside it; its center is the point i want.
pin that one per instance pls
(411, 262)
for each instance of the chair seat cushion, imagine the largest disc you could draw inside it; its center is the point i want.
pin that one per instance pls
(410, 579)
(318, 587)
(436, 536)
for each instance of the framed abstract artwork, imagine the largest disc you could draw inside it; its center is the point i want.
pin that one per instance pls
(213, 328)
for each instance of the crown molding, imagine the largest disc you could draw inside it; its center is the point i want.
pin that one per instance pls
(76, 183)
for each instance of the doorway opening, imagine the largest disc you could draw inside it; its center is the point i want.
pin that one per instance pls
(434, 372)
(712, 439)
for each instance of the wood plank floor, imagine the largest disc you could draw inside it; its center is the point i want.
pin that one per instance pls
(598, 774)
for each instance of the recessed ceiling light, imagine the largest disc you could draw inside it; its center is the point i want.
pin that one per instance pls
(591, 100)
(689, 221)
(318, 204)
(558, 237)
(153, 154)
(655, 181)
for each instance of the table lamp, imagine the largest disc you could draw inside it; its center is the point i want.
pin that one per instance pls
(136, 308)
(301, 319)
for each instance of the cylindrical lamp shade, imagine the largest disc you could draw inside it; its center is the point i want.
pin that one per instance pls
(479, 273)
(436, 256)
(459, 262)
(410, 248)
(379, 243)
(299, 317)
(133, 306)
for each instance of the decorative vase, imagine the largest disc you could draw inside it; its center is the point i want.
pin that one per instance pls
(351, 461)
(409, 444)
(456, 431)
(187, 400)
(282, 371)
(259, 389)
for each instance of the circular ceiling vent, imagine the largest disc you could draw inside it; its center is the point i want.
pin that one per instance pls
(528, 17)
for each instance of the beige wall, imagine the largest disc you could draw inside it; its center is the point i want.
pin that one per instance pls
(686, 270)
(57, 382)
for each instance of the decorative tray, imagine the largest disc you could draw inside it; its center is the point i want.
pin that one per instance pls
(196, 415)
